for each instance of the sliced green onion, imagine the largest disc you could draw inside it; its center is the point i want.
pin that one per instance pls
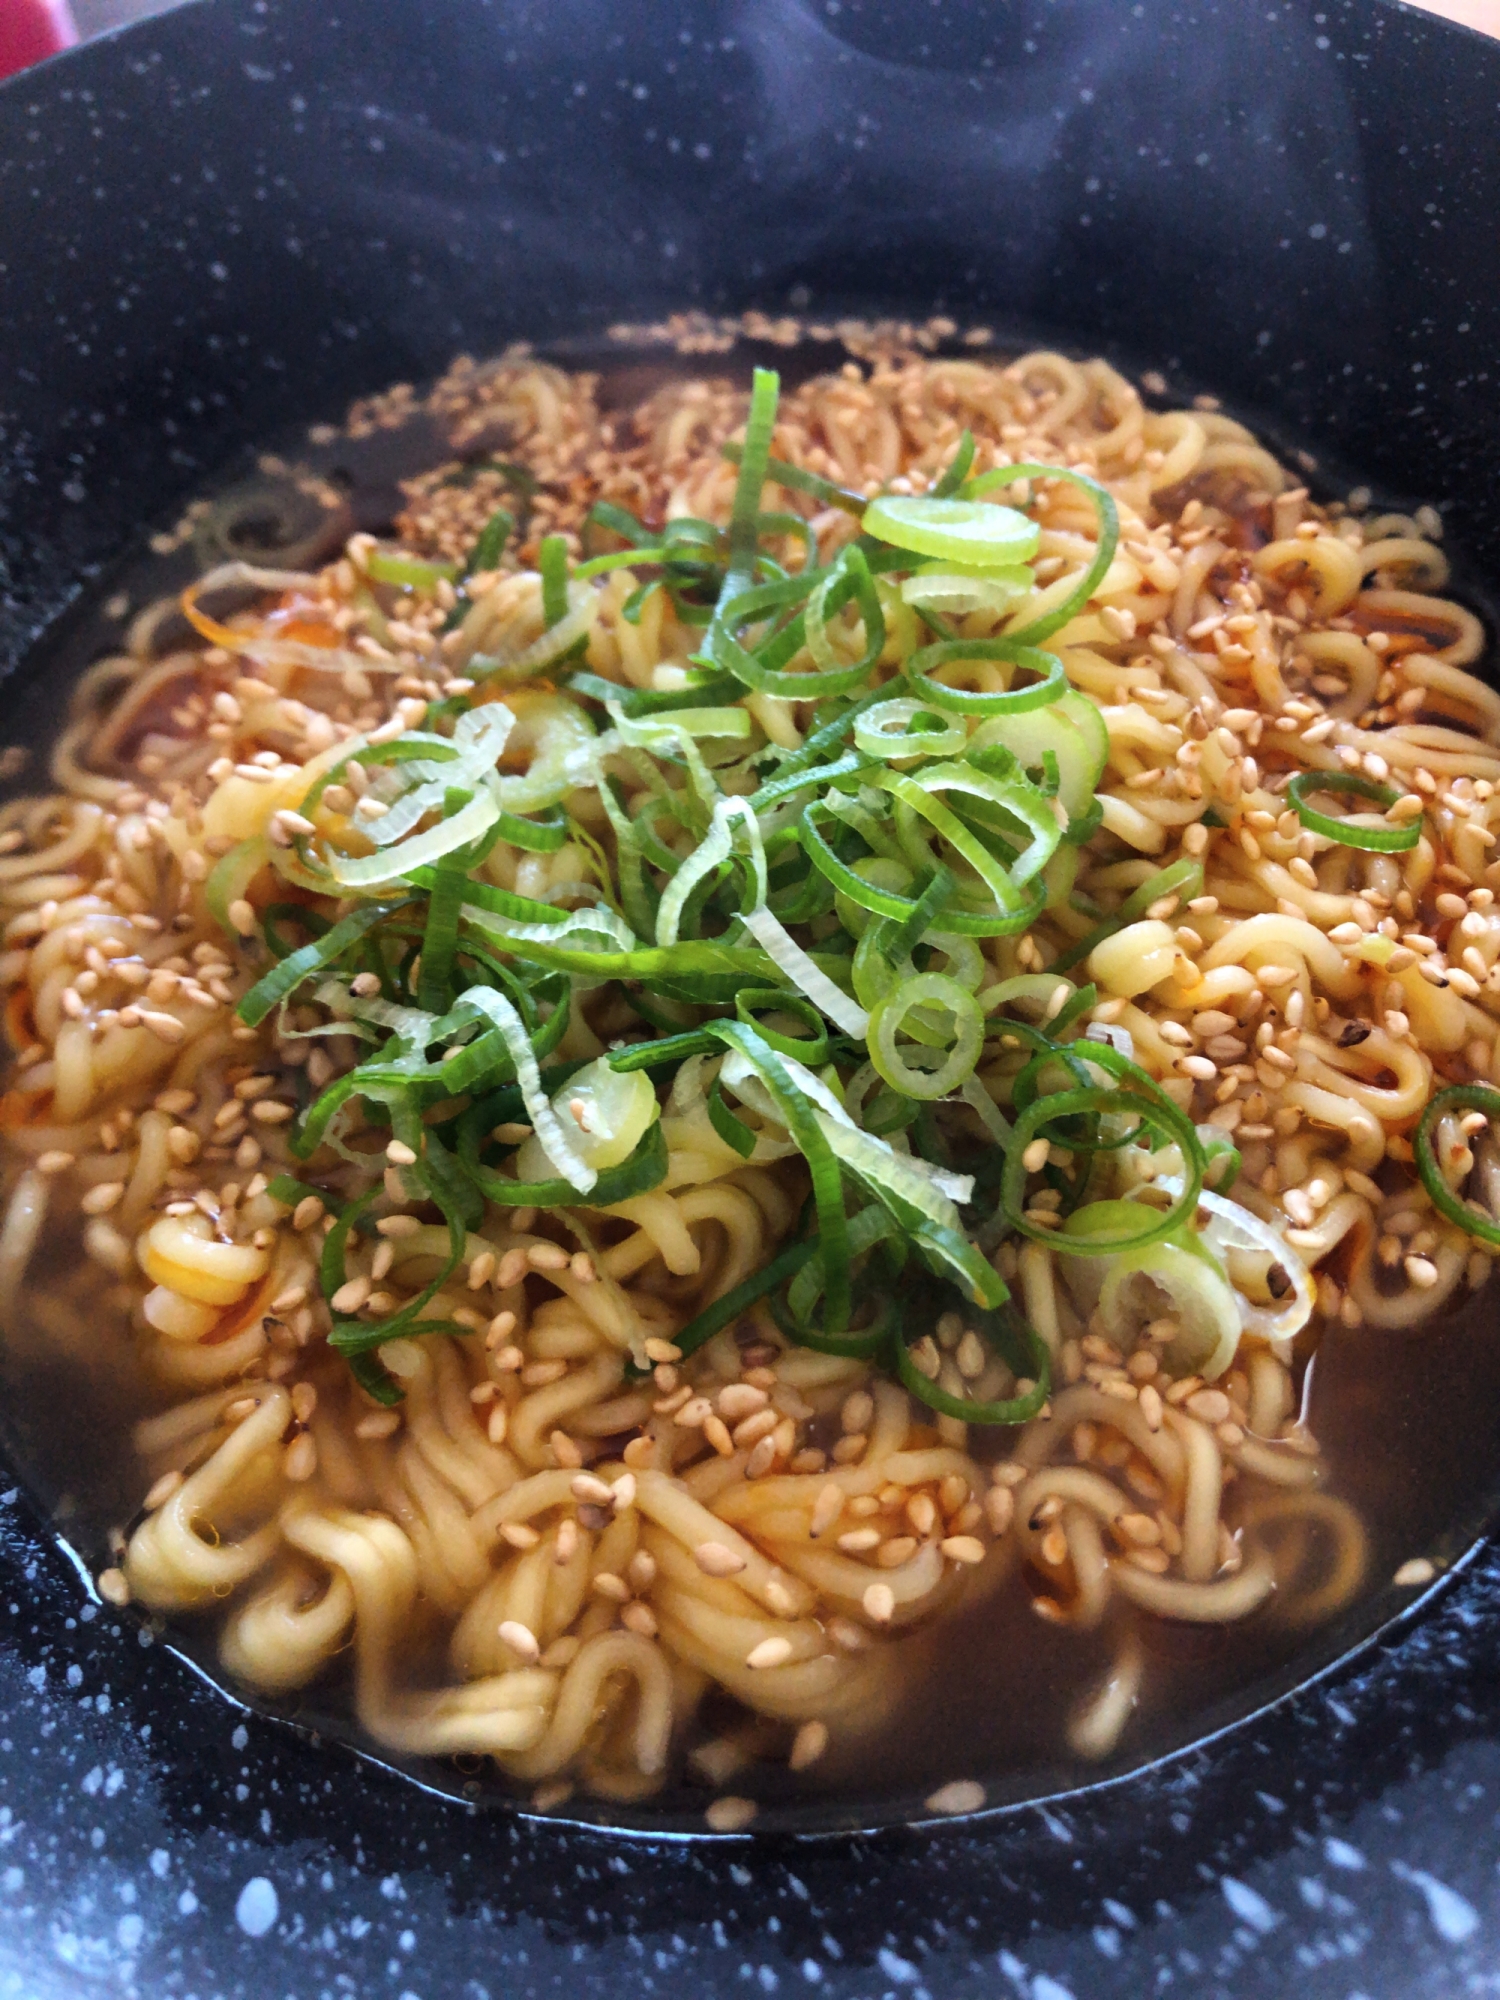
(555, 644)
(809, 1048)
(907, 727)
(290, 1193)
(645, 1169)
(552, 562)
(896, 945)
(807, 1132)
(1184, 876)
(796, 480)
(1070, 729)
(1457, 1097)
(958, 592)
(967, 531)
(1104, 554)
(440, 939)
(391, 864)
(664, 1053)
(1349, 833)
(1017, 915)
(1156, 1113)
(1052, 681)
(928, 989)
(274, 915)
(865, 1343)
(725, 1311)
(735, 1133)
(744, 518)
(352, 1336)
(481, 559)
(407, 572)
(555, 1143)
(274, 986)
(848, 575)
(957, 469)
(490, 545)
(1013, 1410)
(535, 836)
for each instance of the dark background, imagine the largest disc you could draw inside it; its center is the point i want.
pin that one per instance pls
(244, 212)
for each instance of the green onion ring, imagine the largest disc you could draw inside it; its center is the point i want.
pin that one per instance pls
(861, 1344)
(1159, 1113)
(1007, 701)
(1374, 839)
(1109, 538)
(1457, 1097)
(811, 1049)
(1015, 1410)
(927, 989)
(886, 903)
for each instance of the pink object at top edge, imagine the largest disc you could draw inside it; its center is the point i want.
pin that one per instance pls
(31, 30)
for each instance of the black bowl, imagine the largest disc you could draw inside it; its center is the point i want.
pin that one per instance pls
(234, 218)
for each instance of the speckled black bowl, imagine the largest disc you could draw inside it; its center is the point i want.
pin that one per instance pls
(235, 217)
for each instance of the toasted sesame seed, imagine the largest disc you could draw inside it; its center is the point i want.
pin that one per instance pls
(1155, 1561)
(714, 1559)
(1418, 1570)
(826, 1508)
(521, 1640)
(1211, 1406)
(113, 1587)
(963, 1548)
(964, 1795)
(101, 1199)
(165, 1027)
(879, 1603)
(378, 1424)
(730, 1814)
(565, 1451)
(739, 1400)
(773, 1652)
(808, 1745)
(300, 1459)
(859, 1541)
(161, 1490)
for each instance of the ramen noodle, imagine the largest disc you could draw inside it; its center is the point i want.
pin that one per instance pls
(777, 1010)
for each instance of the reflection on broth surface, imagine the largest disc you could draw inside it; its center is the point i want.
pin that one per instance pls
(693, 1076)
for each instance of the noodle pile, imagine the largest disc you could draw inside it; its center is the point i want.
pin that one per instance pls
(547, 1532)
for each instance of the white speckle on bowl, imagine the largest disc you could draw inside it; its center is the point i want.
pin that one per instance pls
(257, 1908)
(1454, 1919)
(1249, 1905)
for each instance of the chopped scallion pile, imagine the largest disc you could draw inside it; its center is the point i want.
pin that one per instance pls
(827, 807)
